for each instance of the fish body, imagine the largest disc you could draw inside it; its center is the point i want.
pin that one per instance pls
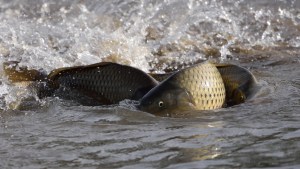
(239, 83)
(198, 87)
(108, 83)
(96, 84)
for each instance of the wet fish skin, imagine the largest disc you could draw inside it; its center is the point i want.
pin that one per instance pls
(167, 99)
(199, 87)
(239, 82)
(108, 83)
(96, 84)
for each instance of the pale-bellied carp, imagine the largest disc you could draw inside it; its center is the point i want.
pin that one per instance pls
(105, 83)
(199, 87)
(240, 83)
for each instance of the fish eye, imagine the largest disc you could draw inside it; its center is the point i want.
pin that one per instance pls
(160, 104)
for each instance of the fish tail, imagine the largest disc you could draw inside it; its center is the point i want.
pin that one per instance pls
(36, 80)
(16, 73)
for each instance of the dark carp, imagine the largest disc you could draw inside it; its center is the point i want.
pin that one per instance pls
(104, 83)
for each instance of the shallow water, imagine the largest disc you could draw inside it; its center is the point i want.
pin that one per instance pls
(263, 36)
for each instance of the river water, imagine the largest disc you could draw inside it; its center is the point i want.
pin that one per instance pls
(155, 36)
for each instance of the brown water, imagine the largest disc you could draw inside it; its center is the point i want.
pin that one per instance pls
(153, 35)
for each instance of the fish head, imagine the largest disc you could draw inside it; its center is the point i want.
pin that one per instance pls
(167, 99)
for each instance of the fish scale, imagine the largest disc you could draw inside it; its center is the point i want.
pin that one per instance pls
(208, 90)
(239, 82)
(107, 82)
(198, 87)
